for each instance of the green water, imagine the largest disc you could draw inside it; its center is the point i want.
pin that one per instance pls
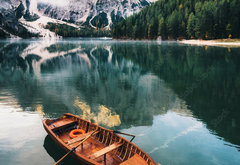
(181, 102)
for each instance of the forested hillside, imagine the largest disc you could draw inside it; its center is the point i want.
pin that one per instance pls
(172, 19)
(69, 31)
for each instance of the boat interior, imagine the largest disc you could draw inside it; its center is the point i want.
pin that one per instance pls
(102, 146)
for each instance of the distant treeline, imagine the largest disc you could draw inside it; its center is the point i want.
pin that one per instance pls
(172, 19)
(69, 31)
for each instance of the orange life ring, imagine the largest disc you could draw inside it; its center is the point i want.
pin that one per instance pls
(76, 132)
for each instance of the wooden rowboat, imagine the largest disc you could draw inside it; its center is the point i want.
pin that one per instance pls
(102, 146)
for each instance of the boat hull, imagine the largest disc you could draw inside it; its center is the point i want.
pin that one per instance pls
(102, 147)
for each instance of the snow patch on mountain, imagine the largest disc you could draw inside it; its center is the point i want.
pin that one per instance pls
(60, 3)
(38, 26)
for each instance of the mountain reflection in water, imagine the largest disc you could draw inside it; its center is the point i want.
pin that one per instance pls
(62, 73)
(132, 86)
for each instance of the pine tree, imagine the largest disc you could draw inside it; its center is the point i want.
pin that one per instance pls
(191, 26)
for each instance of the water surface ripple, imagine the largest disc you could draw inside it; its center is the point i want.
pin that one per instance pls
(182, 102)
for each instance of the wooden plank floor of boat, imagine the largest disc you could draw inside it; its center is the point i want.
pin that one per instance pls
(91, 146)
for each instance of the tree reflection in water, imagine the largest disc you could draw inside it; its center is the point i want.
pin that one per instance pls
(126, 84)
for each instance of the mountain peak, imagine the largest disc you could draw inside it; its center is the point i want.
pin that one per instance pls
(34, 15)
(91, 12)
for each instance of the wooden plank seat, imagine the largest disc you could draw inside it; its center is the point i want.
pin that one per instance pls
(79, 138)
(60, 124)
(105, 150)
(135, 159)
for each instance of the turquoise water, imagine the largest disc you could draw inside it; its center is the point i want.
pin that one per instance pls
(181, 102)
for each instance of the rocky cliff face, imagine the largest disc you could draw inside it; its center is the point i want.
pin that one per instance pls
(10, 13)
(25, 17)
(96, 13)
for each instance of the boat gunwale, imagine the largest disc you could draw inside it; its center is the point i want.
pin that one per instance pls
(82, 157)
(67, 148)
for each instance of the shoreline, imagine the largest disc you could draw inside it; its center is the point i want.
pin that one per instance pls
(217, 42)
(227, 43)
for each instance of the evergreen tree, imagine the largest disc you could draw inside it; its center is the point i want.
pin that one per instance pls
(160, 25)
(191, 26)
(205, 19)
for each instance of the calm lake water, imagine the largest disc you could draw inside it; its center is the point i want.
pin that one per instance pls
(181, 102)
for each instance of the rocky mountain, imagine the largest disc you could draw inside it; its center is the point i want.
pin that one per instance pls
(96, 13)
(10, 13)
(28, 18)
